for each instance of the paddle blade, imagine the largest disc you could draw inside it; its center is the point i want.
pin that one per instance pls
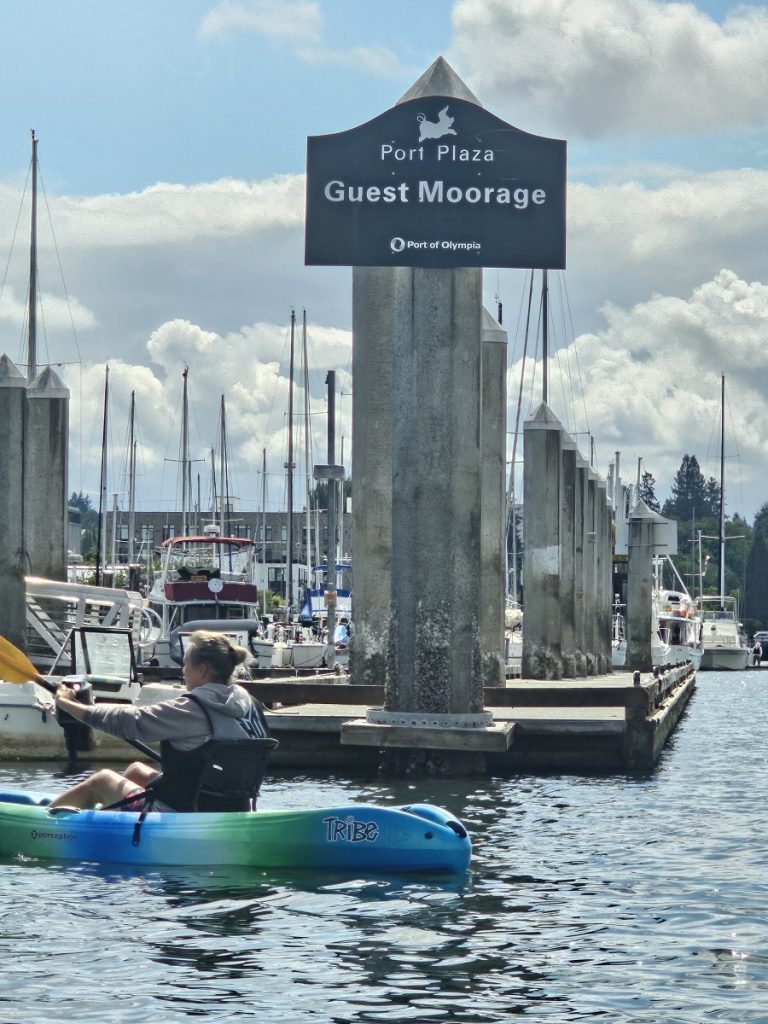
(15, 666)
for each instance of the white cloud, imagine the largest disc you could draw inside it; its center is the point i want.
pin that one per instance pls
(276, 19)
(56, 312)
(651, 381)
(614, 67)
(377, 60)
(301, 26)
(249, 367)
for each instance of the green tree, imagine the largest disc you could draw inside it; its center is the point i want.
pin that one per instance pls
(690, 497)
(648, 492)
(755, 603)
(760, 525)
(712, 497)
(81, 501)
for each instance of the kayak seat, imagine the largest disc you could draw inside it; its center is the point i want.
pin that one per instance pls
(232, 774)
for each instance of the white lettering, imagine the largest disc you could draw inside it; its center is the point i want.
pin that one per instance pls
(539, 196)
(338, 192)
(433, 195)
(334, 191)
(460, 155)
(388, 150)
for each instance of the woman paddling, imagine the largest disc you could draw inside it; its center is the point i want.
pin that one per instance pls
(215, 708)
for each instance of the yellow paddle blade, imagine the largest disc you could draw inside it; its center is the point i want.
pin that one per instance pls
(15, 666)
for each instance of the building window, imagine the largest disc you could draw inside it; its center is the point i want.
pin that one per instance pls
(169, 530)
(148, 533)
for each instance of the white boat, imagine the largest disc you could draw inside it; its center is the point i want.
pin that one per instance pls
(104, 658)
(677, 632)
(676, 627)
(513, 639)
(315, 606)
(281, 651)
(725, 646)
(205, 582)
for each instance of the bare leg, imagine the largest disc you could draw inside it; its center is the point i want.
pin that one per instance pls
(103, 787)
(140, 773)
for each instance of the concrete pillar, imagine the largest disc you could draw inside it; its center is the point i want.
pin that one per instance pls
(567, 555)
(579, 564)
(640, 589)
(590, 596)
(373, 298)
(45, 475)
(493, 455)
(13, 397)
(602, 578)
(542, 658)
(434, 650)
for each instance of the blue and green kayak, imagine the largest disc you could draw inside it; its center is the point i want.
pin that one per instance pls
(355, 837)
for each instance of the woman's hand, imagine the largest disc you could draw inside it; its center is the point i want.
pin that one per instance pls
(66, 702)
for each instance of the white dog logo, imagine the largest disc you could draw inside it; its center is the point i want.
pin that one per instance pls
(435, 129)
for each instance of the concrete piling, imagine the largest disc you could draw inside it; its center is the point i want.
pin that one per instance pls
(13, 398)
(373, 298)
(493, 454)
(45, 475)
(433, 660)
(542, 470)
(639, 588)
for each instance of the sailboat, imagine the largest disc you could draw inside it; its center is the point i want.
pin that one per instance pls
(725, 646)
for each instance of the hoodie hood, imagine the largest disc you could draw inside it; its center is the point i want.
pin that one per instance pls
(232, 701)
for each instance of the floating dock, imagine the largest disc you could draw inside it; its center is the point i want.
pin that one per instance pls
(617, 722)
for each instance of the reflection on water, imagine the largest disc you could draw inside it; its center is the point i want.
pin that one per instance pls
(626, 899)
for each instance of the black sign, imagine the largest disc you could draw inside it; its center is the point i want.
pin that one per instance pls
(436, 182)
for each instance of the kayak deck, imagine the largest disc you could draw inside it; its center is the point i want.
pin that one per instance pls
(355, 836)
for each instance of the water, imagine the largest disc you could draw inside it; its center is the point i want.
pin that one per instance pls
(624, 899)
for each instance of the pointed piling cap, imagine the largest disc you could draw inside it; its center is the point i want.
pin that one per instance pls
(491, 329)
(440, 80)
(543, 419)
(48, 384)
(10, 376)
(641, 511)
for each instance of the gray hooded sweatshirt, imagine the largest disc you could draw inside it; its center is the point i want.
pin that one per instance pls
(181, 720)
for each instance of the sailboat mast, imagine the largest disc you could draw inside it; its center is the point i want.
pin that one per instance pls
(264, 532)
(184, 455)
(307, 464)
(289, 467)
(131, 481)
(222, 465)
(545, 338)
(101, 532)
(32, 341)
(721, 569)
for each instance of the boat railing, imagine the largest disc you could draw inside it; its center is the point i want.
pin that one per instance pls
(55, 607)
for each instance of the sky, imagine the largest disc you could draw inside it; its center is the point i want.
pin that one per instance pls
(172, 149)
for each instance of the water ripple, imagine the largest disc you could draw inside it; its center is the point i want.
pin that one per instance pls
(624, 899)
